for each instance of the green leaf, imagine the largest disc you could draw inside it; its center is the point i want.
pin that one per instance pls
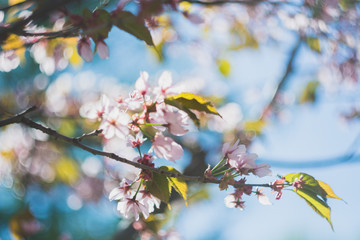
(328, 190)
(224, 67)
(159, 186)
(314, 44)
(98, 23)
(309, 93)
(178, 184)
(316, 203)
(131, 24)
(193, 102)
(310, 183)
(256, 126)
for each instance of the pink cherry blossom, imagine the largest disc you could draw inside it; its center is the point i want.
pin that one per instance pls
(130, 207)
(149, 200)
(166, 147)
(141, 84)
(243, 163)
(123, 191)
(135, 101)
(115, 124)
(84, 49)
(231, 201)
(231, 151)
(263, 199)
(164, 85)
(277, 186)
(102, 49)
(136, 142)
(176, 122)
(262, 170)
(298, 183)
(96, 111)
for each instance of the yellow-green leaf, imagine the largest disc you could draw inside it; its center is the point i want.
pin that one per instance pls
(190, 101)
(313, 43)
(256, 126)
(328, 190)
(310, 183)
(309, 93)
(316, 203)
(224, 67)
(193, 102)
(135, 26)
(178, 184)
(159, 186)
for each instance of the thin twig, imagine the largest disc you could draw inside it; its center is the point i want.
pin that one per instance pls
(85, 135)
(284, 79)
(17, 118)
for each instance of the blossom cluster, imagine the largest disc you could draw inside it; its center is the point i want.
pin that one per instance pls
(142, 116)
(237, 162)
(131, 203)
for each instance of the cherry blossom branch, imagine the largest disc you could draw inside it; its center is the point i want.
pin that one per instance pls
(21, 118)
(17, 118)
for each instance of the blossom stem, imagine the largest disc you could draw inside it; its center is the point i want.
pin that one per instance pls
(141, 182)
(138, 148)
(154, 124)
(222, 172)
(218, 164)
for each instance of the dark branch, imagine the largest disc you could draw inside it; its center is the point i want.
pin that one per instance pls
(284, 79)
(20, 118)
(17, 118)
(93, 133)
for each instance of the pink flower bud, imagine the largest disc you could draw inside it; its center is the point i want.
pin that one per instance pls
(102, 49)
(84, 49)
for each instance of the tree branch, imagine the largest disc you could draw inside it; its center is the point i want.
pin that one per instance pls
(284, 79)
(20, 118)
(17, 118)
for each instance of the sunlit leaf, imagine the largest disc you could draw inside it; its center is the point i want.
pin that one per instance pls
(316, 203)
(310, 183)
(328, 190)
(67, 170)
(193, 102)
(224, 67)
(313, 43)
(190, 101)
(131, 24)
(256, 126)
(159, 186)
(178, 184)
(309, 93)
(242, 38)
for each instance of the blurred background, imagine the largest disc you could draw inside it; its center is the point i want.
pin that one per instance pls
(283, 75)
